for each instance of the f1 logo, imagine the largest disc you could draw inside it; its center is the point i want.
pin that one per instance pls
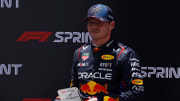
(34, 35)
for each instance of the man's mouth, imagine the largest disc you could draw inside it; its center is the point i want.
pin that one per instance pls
(94, 31)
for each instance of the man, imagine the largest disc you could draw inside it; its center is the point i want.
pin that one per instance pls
(105, 70)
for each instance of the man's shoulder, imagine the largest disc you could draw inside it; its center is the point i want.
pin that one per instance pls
(121, 46)
(78, 51)
(124, 51)
(83, 47)
(124, 47)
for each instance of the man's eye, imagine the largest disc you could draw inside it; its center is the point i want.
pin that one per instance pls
(90, 22)
(99, 22)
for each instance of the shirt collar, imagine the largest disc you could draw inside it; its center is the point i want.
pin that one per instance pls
(100, 48)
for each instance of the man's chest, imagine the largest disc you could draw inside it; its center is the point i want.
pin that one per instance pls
(102, 65)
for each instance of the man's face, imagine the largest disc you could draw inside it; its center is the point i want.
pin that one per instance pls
(99, 29)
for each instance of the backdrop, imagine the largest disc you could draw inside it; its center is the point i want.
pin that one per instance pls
(38, 39)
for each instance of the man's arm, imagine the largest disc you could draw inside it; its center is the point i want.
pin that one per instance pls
(74, 75)
(132, 83)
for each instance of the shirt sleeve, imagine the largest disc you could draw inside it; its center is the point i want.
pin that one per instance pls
(132, 83)
(74, 75)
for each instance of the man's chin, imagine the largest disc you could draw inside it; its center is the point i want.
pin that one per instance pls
(96, 38)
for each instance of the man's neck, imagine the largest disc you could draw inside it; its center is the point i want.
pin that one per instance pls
(99, 43)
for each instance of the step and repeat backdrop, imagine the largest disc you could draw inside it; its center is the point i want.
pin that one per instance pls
(38, 39)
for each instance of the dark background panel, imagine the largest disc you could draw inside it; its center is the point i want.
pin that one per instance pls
(149, 27)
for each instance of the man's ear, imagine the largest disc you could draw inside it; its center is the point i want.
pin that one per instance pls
(112, 24)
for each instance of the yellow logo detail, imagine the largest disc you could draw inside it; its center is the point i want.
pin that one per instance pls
(137, 81)
(71, 84)
(107, 57)
(108, 98)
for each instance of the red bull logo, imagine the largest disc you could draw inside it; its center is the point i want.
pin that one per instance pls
(92, 88)
(96, 49)
(107, 98)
